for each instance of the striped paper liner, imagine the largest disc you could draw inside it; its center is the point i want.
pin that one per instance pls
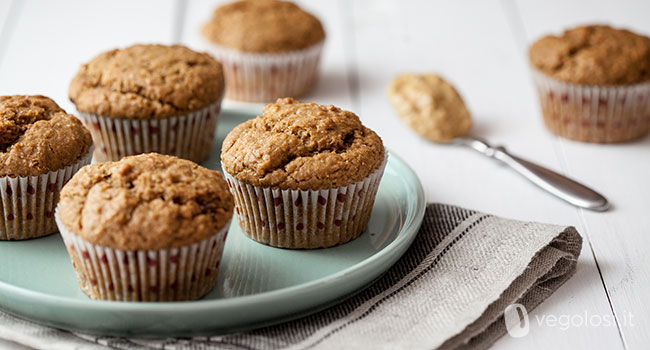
(265, 77)
(305, 219)
(28, 203)
(592, 113)
(189, 136)
(184, 273)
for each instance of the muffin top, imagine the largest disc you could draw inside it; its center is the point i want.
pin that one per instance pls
(147, 82)
(296, 145)
(430, 106)
(145, 202)
(265, 26)
(37, 136)
(594, 55)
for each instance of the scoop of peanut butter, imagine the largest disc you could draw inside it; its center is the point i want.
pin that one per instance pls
(430, 106)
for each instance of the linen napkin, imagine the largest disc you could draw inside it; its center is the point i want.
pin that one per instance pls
(448, 291)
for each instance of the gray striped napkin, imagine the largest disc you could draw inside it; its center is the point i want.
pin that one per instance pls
(448, 291)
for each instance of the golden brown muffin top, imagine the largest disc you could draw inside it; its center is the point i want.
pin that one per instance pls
(145, 202)
(594, 55)
(147, 82)
(430, 106)
(37, 136)
(300, 145)
(266, 26)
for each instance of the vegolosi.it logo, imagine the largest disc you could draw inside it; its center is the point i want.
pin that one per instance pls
(517, 322)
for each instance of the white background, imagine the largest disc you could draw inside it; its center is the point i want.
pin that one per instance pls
(480, 46)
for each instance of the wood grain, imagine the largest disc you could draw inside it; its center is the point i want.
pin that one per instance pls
(619, 238)
(51, 40)
(477, 51)
(8, 10)
(477, 45)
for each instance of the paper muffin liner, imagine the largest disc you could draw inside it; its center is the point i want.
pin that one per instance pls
(264, 77)
(305, 219)
(28, 203)
(592, 113)
(184, 273)
(189, 136)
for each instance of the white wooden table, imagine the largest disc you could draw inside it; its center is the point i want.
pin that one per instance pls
(480, 46)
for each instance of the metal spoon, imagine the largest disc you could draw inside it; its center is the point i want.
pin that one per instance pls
(558, 185)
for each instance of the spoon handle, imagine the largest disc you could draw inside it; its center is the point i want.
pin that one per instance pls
(557, 184)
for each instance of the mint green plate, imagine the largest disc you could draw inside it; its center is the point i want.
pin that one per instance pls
(258, 285)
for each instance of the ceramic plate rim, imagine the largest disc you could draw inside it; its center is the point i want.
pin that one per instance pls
(404, 237)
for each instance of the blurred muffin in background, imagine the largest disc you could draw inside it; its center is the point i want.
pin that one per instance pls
(269, 49)
(593, 83)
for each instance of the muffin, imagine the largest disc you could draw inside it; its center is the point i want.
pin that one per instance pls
(593, 83)
(268, 48)
(303, 175)
(430, 106)
(150, 98)
(41, 147)
(149, 227)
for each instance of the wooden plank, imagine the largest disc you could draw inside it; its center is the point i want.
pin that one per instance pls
(5, 344)
(5, 12)
(375, 40)
(619, 237)
(8, 9)
(476, 51)
(332, 87)
(51, 40)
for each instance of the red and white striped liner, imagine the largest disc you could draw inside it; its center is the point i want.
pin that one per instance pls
(592, 113)
(188, 136)
(28, 203)
(265, 77)
(184, 273)
(305, 219)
